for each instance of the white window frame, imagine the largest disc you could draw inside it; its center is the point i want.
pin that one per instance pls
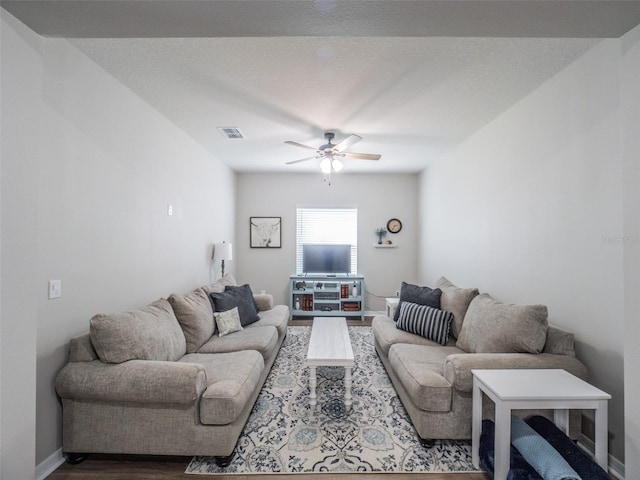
(327, 225)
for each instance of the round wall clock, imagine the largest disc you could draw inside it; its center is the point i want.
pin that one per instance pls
(394, 225)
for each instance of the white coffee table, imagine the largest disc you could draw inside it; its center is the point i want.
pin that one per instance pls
(330, 346)
(534, 389)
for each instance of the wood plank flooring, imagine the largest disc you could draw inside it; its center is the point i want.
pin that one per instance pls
(138, 467)
(142, 467)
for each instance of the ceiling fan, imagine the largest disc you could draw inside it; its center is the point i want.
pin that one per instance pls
(331, 153)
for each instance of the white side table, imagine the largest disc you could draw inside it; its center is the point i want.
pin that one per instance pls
(392, 304)
(534, 389)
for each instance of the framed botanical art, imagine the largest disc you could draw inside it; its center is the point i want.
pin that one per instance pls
(265, 232)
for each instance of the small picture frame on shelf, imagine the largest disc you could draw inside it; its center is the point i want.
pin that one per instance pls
(265, 232)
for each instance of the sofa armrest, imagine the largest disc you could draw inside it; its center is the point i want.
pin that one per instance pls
(458, 366)
(264, 301)
(559, 342)
(81, 349)
(135, 381)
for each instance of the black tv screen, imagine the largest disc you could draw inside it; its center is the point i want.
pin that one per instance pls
(326, 259)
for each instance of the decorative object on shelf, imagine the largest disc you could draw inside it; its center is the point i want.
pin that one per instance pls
(394, 225)
(265, 232)
(223, 251)
(354, 290)
(381, 232)
(388, 242)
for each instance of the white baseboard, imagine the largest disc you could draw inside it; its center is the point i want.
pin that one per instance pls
(47, 467)
(373, 313)
(616, 467)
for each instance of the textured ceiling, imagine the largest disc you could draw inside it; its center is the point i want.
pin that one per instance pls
(410, 96)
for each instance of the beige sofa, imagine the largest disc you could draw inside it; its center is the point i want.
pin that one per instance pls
(161, 381)
(434, 381)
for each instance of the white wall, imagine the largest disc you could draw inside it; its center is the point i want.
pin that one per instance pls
(103, 169)
(21, 82)
(530, 210)
(630, 100)
(377, 197)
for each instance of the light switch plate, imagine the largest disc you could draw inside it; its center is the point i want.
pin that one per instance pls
(55, 289)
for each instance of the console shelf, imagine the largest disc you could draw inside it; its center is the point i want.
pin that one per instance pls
(326, 296)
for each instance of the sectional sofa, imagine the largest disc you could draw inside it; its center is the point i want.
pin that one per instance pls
(165, 379)
(432, 375)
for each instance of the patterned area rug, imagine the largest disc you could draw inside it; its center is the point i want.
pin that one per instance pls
(284, 434)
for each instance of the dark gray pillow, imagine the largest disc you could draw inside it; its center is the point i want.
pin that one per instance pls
(420, 295)
(246, 291)
(241, 297)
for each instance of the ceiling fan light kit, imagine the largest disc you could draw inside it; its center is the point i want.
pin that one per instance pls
(329, 153)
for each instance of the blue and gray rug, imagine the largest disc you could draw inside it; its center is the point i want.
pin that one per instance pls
(284, 434)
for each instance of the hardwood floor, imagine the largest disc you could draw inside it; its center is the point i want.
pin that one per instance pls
(137, 467)
(140, 467)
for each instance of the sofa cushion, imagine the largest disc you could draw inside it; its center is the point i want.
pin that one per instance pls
(428, 322)
(227, 322)
(150, 333)
(455, 300)
(237, 297)
(219, 285)
(277, 317)
(420, 295)
(493, 327)
(386, 334)
(232, 378)
(420, 369)
(262, 339)
(195, 315)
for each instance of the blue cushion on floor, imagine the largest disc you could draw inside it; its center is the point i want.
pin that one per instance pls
(580, 461)
(539, 453)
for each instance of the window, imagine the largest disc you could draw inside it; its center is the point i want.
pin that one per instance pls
(328, 226)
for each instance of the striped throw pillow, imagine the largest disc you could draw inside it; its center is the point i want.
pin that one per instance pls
(425, 321)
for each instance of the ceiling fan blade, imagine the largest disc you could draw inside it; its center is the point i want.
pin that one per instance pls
(361, 156)
(301, 160)
(296, 144)
(347, 142)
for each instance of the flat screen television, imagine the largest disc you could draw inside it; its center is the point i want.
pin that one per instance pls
(326, 259)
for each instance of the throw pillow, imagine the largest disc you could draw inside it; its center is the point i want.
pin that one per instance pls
(195, 314)
(150, 333)
(240, 297)
(493, 327)
(228, 322)
(245, 292)
(455, 300)
(420, 295)
(428, 322)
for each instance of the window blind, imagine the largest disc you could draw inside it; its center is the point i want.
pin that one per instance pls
(327, 226)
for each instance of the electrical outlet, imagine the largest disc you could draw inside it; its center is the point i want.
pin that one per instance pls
(397, 293)
(55, 289)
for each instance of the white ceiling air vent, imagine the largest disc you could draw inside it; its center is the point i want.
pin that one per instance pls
(230, 132)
